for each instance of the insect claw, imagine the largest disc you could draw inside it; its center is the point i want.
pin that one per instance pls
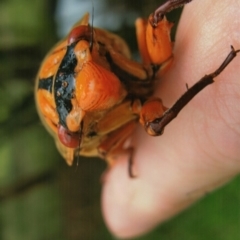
(168, 6)
(228, 59)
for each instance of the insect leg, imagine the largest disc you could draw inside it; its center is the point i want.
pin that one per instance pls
(114, 145)
(158, 124)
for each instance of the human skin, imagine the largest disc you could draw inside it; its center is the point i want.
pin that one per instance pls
(199, 150)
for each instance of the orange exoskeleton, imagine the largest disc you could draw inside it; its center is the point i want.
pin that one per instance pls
(90, 94)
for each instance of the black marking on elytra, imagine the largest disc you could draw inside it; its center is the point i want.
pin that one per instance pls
(64, 85)
(46, 84)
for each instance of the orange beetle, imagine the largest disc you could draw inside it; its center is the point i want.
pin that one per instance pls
(90, 93)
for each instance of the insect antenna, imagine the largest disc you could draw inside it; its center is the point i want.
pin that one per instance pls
(79, 144)
(91, 34)
(78, 152)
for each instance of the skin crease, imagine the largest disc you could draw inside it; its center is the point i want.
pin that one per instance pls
(200, 150)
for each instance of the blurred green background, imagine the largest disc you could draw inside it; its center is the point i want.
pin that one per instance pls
(40, 196)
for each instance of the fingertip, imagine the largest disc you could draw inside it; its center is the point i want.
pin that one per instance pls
(122, 203)
(114, 200)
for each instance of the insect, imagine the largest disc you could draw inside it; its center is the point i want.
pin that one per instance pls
(90, 94)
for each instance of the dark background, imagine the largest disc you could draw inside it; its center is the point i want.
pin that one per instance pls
(40, 196)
